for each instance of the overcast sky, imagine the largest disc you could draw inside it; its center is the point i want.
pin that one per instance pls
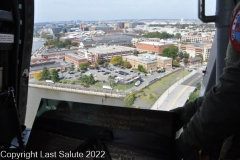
(61, 10)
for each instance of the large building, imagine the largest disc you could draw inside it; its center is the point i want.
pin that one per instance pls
(136, 40)
(196, 49)
(105, 52)
(196, 38)
(75, 59)
(120, 25)
(149, 61)
(155, 47)
(101, 27)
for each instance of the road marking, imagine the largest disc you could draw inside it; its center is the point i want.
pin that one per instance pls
(179, 94)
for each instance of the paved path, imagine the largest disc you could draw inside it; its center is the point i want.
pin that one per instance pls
(171, 97)
(177, 98)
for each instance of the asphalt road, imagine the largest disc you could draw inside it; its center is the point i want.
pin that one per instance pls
(180, 94)
(197, 77)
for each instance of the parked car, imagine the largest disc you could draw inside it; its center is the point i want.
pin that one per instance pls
(82, 71)
(137, 83)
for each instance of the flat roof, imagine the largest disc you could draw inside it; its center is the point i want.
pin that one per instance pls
(153, 43)
(147, 58)
(107, 49)
(37, 68)
(76, 56)
(141, 59)
(197, 45)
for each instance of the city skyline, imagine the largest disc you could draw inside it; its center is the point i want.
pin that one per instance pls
(66, 10)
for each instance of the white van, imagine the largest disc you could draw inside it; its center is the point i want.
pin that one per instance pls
(107, 87)
(49, 81)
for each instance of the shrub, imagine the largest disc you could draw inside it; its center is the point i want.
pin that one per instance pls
(73, 82)
(129, 100)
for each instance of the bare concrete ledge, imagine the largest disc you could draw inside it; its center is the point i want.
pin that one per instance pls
(110, 94)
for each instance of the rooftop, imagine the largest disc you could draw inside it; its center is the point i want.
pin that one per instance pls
(153, 43)
(75, 56)
(38, 68)
(147, 58)
(198, 45)
(107, 49)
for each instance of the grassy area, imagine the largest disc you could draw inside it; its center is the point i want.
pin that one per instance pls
(149, 97)
(120, 87)
(98, 85)
(151, 93)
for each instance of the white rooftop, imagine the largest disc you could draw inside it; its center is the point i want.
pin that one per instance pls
(153, 43)
(147, 58)
(107, 49)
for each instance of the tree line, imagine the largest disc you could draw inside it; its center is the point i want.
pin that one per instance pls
(157, 34)
(47, 75)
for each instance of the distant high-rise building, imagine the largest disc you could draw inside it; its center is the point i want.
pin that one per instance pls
(121, 25)
(82, 27)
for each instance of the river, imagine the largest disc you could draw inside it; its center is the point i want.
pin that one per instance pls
(35, 95)
(37, 43)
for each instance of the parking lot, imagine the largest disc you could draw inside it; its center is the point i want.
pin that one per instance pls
(101, 74)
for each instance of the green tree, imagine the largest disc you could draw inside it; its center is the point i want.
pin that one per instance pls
(129, 100)
(54, 76)
(142, 69)
(91, 80)
(206, 60)
(84, 66)
(105, 64)
(181, 54)
(87, 80)
(127, 64)
(67, 42)
(175, 64)
(192, 97)
(158, 35)
(198, 86)
(45, 74)
(111, 81)
(136, 53)
(170, 51)
(178, 35)
(72, 68)
(186, 55)
(100, 61)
